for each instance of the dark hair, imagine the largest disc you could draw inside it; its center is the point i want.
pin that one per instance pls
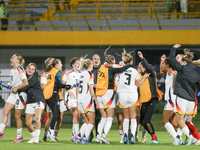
(167, 62)
(141, 63)
(73, 60)
(53, 64)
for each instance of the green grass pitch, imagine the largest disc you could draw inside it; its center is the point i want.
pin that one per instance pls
(65, 143)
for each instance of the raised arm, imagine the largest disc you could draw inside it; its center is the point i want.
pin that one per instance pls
(175, 64)
(118, 70)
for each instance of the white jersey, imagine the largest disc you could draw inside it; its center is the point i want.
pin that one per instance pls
(86, 79)
(169, 86)
(126, 81)
(71, 77)
(17, 76)
(43, 79)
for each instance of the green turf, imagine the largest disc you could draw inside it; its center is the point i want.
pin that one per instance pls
(65, 143)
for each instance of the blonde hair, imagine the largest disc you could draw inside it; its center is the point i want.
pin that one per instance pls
(127, 58)
(85, 62)
(21, 59)
(46, 62)
(108, 58)
(31, 64)
(188, 56)
(196, 62)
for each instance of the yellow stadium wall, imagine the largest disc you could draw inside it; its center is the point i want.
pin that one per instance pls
(150, 37)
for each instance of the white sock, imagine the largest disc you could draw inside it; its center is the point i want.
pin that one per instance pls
(137, 131)
(2, 127)
(88, 130)
(179, 132)
(56, 132)
(83, 128)
(186, 131)
(144, 132)
(126, 126)
(107, 126)
(101, 125)
(32, 134)
(76, 128)
(121, 133)
(133, 126)
(170, 129)
(37, 133)
(19, 132)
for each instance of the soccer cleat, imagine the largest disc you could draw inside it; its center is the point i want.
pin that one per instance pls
(73, 138)
(1, 135)
(51, 137)
(17, 140)
(175, 142)
(78, 139)
(104, 140)
(132, 141)
(91, 137)
(36, 140)
(181, 142)
(197, 142)
(126, 141)
(121, 141)
(31, 140)
(98, 139)
(191, 141)
(144, 140)
(153, 142)
(85, 141)
(44, 139)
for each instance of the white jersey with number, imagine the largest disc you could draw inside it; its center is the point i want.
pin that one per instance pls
(126, 80)
(17, 76)
(71, 77)
(43, 79)
(86, 79)
(169, 86)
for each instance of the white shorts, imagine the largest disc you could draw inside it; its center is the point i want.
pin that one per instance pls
(128, 99)
(63, 107)
(107, 100)
(170, 104)
(19, 100)
(184, 107)
(84, 107)
(31, 108)
(70, 103)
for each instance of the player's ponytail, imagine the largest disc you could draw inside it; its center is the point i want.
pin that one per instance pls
(108, 58)
(85, 62)
(48, 60)
(21, 59)
(188, 56)
(127, 58)
(53, 64)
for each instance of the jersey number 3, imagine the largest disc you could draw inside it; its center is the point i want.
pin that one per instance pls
(128, 79)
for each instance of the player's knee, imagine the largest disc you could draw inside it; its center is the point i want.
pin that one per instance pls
(37, 118)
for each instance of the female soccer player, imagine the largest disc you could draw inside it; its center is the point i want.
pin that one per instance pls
(85, 100)
(105, 96)
(18, 81)
(168, 113)
(148, 98)
(71, 78)
(53, 93)
(35, 102)
(128, 96)
(186, 80)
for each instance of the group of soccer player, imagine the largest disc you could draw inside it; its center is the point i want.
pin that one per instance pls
(98, 91)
